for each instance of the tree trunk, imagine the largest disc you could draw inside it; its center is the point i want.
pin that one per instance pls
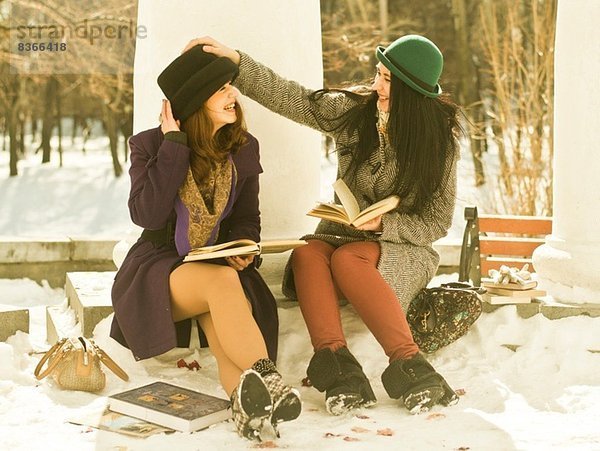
(468, 95)
(112, 130)
(13, 146)
(383, 20)
(126, 129)
(48, 119)
(59, 123)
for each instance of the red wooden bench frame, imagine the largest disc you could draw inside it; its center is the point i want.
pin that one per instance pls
(490, 241)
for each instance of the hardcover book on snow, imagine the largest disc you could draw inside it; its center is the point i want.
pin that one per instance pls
(349, 212)
(498, 299)
(171, 406)
(528, 285)
(242, 247)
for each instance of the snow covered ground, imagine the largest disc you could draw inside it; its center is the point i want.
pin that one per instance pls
(543, 395)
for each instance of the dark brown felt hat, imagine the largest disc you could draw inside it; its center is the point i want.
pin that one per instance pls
(192, 78)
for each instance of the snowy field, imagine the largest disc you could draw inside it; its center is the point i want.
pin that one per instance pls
(541, 395)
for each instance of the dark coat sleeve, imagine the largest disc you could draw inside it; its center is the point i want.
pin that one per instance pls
(244, 220)
(158, 168)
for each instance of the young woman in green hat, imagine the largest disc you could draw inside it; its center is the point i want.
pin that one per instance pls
(397, 136)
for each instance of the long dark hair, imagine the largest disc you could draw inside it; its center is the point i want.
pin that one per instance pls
(421, 130)
(207, 150)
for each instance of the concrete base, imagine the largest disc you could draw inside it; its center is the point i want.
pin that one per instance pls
(555, 310)
(548, 307)
(570, 271)
(13, 319)
(89, 295)
(53, 272)
(49, 259)
(53, 333)
(523, 310)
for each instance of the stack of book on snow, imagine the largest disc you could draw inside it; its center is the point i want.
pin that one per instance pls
(510, 293)
(171, 406)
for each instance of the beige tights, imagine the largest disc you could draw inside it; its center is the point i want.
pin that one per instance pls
(214, 295)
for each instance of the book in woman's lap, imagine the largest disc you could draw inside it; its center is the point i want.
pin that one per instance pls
(242, 247)
(349, 212)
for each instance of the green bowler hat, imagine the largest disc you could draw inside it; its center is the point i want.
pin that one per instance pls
(416, 61)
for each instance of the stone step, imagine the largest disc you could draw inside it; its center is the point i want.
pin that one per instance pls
(61, 322)
(13, 319)
(89, 296)
(51, 258)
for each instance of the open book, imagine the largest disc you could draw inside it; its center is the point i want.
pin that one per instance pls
(242, 247)
(349, 212)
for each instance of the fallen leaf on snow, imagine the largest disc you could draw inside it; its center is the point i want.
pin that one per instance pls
(351, 439)
(387, 432)
(363, 417)
(267, 444)
(461, 392)
(331, 434)
(435, 416)
(359, 429)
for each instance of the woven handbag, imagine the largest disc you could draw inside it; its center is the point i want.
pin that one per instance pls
(74, 364)
(441, 315)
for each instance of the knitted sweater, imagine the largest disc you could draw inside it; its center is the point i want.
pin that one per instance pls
(408, 260)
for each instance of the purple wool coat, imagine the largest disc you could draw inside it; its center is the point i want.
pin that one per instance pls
(140, 293)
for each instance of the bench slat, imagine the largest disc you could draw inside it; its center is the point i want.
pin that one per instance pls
(522, 247)
(516, 225)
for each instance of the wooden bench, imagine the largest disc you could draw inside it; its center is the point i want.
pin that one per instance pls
(490, 241)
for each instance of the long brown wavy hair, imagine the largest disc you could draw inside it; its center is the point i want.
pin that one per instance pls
(208, 150)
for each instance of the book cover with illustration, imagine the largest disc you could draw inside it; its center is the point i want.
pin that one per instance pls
(171, 406)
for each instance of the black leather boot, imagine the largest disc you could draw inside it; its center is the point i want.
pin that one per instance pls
(342, 379)
(417, 383)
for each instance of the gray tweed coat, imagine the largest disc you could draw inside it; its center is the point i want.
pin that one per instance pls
(408, 260)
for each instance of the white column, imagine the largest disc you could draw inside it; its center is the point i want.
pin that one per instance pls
(569, 263)
(284, 35)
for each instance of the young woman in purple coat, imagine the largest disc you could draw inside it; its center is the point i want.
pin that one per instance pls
(194, 182)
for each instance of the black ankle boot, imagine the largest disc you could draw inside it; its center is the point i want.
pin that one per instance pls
(417, 383)
(342, 379)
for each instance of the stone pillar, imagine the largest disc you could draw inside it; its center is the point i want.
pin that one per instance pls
(284, 35)
(568, 264)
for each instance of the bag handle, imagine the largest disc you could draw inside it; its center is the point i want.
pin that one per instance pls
(53, 350)
(110, 363)
(464, 286)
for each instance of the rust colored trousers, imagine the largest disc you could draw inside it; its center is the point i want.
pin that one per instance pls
(323, 274)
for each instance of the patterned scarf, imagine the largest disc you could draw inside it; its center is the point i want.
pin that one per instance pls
(206, 204)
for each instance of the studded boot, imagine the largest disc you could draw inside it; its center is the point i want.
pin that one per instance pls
(251, 407)
(286, 400)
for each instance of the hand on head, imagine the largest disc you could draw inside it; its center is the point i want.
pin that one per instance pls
(209, 45)
(167, 121)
